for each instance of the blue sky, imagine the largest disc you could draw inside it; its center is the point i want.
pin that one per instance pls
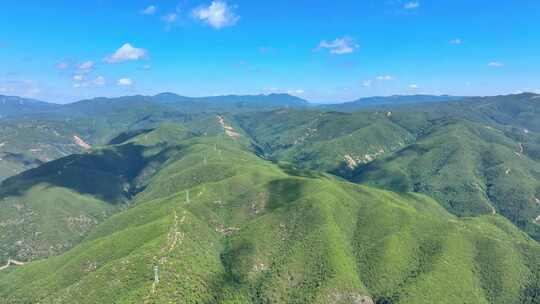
(324, 51)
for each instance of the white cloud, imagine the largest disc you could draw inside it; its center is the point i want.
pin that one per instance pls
(339, 46)
(24, 88)
(150, 10)
(99, 81)
(81, 83)
(366, 83)
(62, 65)
(413, 87)
(385, 77)
(495, 64)
(218, 14)
(147, 67)
(271, 90)
(297, 92)
(85, 67)
(169, 18)
(456, 41)
(78, 77)
(126, 82)
(411, 5)
(126, 53)
(78, 85)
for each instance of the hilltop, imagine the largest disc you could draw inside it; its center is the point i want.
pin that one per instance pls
(476, 156)
(33, 132)
(493, 135)
(14, 105)
(222, 225)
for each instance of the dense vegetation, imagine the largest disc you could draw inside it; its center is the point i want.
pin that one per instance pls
(34, 132)
(475, 156)
(250, 202)
(46, 210)
(225, 226)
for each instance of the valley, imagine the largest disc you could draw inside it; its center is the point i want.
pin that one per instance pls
(287, 205)
(252, 231)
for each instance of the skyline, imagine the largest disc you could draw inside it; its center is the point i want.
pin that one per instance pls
(321, 52)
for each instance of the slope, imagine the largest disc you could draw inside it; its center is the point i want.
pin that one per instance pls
(217, 224)
(327, 141)
(46, 210)
(18, 106)
(27, 143)
(33, 132)
(476, 156)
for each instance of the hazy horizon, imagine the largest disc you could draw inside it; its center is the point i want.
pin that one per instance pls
(327, 102)
(334, 52)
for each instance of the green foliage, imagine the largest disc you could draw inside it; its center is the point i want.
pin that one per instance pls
(470, 168)
(46, 210)
(475, 156)
(238, 229)
(225, 225)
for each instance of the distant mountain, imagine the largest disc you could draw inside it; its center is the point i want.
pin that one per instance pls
(174, 102)
(519, 110)
(395, 100)
(13, 105)
(164, 102)
(231, 103)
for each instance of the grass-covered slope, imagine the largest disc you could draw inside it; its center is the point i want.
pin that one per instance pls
(46, 210)
(328, 141)
(519, 110)
(476, 156)
(221, 225)
(27, 143)
(470, 168)
(36, 132)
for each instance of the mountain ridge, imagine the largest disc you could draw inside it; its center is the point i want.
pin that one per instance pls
(222, 225)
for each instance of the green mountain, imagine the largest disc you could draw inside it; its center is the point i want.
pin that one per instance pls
(389, 101)
(33, 132)
(231, 103)
(17, 106)
(168, 199)
(46, 210)
(470, 168)
(214, 223)
(475, 156)
(27, 143)
(326, 141)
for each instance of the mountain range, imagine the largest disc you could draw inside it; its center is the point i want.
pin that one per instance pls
(34, 132)
(271, 199)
